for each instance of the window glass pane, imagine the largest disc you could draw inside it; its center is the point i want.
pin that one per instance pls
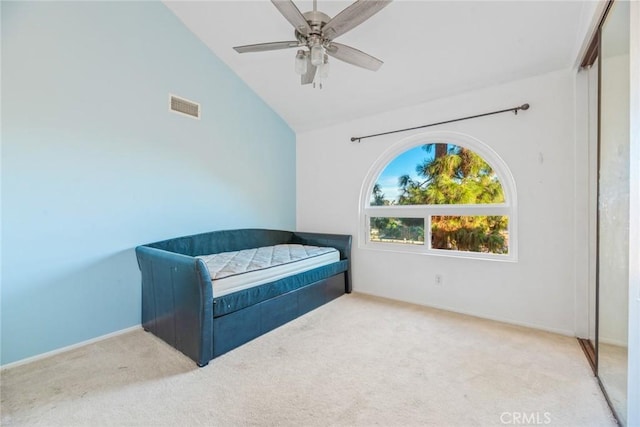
(437, 174)
(487, 234)
(397, 230)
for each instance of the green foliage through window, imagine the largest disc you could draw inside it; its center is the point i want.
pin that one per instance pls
(397, 230)
(470, 233)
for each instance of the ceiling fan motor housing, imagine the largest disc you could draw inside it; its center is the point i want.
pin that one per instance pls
(316, 20)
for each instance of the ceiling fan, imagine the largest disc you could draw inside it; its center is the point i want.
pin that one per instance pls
(316, 31)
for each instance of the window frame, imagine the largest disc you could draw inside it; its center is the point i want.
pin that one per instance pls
(508, 208)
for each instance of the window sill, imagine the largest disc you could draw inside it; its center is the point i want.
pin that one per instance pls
(422, 250)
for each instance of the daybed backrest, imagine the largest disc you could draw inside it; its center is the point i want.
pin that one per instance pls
(223, 241)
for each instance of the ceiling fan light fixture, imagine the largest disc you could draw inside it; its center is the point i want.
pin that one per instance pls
(322, 72)
(317, 54)
(323, 69)
(301, 62)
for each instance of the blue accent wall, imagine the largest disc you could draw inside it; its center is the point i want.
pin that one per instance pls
(93, 163)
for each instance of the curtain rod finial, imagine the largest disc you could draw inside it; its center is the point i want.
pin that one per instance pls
(354, 139)
(523, 107)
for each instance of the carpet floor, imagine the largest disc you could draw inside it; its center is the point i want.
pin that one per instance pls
(357, 361)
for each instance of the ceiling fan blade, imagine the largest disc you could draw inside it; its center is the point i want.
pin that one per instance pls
(292, 14)
(352, 16)
(308, 77)
(263, 47)
(353, 56)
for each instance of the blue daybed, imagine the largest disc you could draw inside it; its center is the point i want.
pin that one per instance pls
(180, 306)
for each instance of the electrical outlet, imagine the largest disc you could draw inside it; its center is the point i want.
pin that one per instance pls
(439, 281)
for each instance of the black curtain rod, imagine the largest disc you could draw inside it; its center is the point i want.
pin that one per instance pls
(523, 107)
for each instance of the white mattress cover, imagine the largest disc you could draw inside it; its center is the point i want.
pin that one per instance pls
(238, 270)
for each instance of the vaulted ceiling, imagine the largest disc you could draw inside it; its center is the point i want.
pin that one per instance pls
(430, 49)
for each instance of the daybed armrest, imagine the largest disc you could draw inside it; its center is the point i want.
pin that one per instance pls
(341, 242)
(177, 301)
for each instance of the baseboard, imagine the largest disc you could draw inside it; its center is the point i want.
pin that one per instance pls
(68, 348)
(617, 343)
(565, 332)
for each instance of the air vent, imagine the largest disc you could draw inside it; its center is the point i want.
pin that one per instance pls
(184, 106)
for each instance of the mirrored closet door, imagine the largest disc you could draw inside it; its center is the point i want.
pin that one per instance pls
(613, 207)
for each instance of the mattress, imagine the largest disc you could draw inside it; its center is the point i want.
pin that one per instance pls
(235, 271)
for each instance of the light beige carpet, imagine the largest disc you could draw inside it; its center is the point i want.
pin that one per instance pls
(358, 361)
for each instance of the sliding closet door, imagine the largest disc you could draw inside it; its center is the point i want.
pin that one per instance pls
(613, 207)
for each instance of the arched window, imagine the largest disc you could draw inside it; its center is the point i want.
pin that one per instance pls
(440, 193)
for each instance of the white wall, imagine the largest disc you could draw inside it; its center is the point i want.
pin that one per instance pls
(537, 145)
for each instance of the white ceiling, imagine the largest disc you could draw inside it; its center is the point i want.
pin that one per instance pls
(431, 49)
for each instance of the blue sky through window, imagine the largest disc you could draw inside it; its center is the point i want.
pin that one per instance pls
(404, 164)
